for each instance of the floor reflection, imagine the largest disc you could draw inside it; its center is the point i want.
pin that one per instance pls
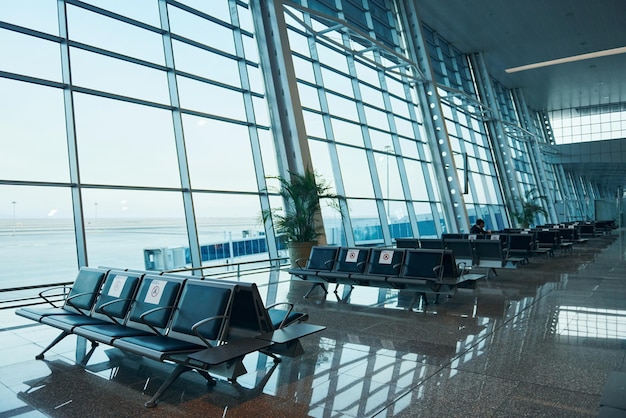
(539, 340)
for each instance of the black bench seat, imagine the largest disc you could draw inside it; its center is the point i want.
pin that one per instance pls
(419, 270)
(198, 325)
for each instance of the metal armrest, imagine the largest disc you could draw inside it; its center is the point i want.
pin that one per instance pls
(291, 306)
(202, 322)
(102, 308)
(299, 264)
(143, 316)
(42, 294)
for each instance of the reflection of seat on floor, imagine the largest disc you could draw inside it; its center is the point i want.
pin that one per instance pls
(130, 369)
(69, 390)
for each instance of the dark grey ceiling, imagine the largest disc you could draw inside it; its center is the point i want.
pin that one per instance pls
(515, 33)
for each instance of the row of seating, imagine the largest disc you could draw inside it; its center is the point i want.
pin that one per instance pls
(492, 253)
(586, 229)
(419, 270)
(195, 324)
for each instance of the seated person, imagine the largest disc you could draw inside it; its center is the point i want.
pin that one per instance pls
(479, 228)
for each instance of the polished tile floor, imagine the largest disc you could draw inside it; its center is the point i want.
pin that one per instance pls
(536, 341)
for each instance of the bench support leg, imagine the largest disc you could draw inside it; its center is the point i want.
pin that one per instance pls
(209, 379)
(347, 291)
(291, 348)
(52, 344)
(416, 297)
(313, 287)
(180, 369)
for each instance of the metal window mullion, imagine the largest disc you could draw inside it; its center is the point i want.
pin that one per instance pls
(179, 138)
(474, 143)
(428, 181)
(453, 204)
(564, 186)
(290, 138)
(484, 178)
(383, 216)
(397, 153)
(574, 203)
(72, 146)
(536, 154)
(582, 195)
(257, 155)
(497, 136)
(367, 141)
(567, 197)
(330, 135)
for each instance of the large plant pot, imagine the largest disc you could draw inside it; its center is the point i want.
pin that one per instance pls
(299, 251)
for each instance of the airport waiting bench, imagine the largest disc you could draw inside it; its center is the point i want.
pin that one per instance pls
(490, 252)
(419, 270)
(201, 325)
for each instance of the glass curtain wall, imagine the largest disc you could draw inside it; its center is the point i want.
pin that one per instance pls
(137, 134)
(518, 141)
(589, 123)
(133, 134)
(467, 133)
(364, 127)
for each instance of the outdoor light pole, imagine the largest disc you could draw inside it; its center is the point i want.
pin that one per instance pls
(13, 203)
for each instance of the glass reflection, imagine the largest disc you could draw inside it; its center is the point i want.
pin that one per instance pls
(588, 322)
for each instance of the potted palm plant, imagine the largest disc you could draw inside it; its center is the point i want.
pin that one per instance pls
(296, 223)
(530, 207)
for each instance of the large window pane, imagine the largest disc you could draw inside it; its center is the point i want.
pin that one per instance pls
(229, 227)
(425, 220)
(208, 142)
(111, 75)
(206, 64)
(113, 35)
(121, 224)
(389, 176)
(33, 142)
(201, 30)
(365, 222)
(357, 181)
(146, 11)
(417, 184)
(43, 59)
(37, 243)
(40, 15)
(218, 9)
(347, 132)
(207, 98)
(125, 144)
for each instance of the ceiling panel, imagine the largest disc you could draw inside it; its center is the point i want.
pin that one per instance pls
(511, 34)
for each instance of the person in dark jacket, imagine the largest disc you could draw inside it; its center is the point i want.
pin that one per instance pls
(479, 228)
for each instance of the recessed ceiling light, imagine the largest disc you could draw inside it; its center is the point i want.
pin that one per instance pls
(573, 58)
